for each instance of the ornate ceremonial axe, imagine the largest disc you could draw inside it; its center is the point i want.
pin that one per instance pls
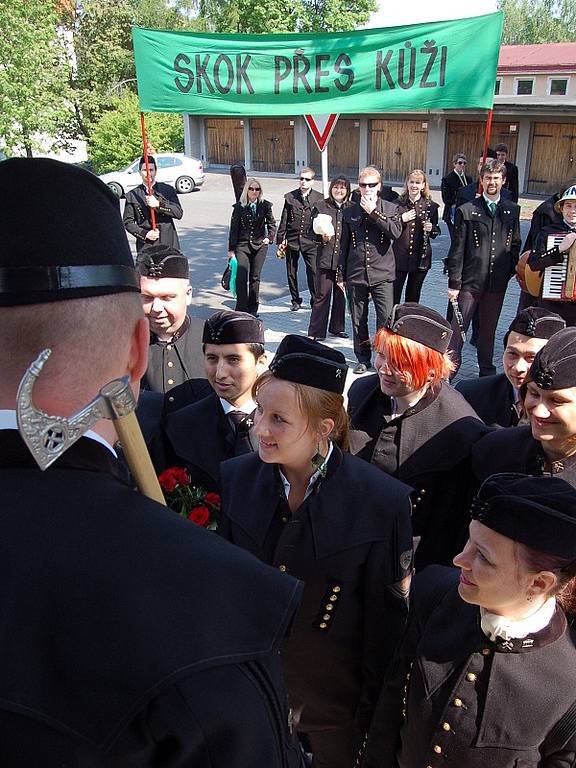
(48, 437)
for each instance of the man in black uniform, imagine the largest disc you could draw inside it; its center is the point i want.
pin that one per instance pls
(548, 444)
(294, 229)
(481, 261)
(175, 359)
(451, 183)
(132, 638)
(470, 191)
(202, 435)
(496, 399)
(163, 200)
(367, 261)
(511, 179)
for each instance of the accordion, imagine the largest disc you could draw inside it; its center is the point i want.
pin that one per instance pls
(559, 280)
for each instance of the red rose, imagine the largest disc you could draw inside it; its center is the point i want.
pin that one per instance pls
(213, 499)
(173, 477)
(200, 516)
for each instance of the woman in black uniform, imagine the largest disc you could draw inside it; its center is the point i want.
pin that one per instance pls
(486, 674)
(327, 285)
(412, 250)
(252, 229)
(340, 525)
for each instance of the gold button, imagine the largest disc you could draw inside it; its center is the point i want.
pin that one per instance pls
(323, 625)
(326, 617)
(170, 364)
(170, 381)
(486, 651)
(171, 399)
(457, 702)
(284, 519)
(471, 677)
(329, 607)
(282, 568)
(446, 726)
(336, 589)
(333, 597)
(168, 346)
(438, 749)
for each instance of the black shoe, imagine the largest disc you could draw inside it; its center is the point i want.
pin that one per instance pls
(317, 338)
(361, 368)
(341, 335)
(295, 306)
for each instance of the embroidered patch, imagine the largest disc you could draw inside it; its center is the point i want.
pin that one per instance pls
(406, 559)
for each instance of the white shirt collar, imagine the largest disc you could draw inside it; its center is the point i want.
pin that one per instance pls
(248, 407)
(8, 421)
(315, 476)
(495, 626)
(488, 201)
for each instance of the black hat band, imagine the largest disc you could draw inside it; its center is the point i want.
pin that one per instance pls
(25, 280)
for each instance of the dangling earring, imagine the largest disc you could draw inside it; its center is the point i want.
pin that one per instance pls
(530, 597)
(319, 462)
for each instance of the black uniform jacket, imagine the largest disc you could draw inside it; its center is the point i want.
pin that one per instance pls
(485, 249)
(295, 220)
(412, 248)
(350, 541)
(251, 230)
(138, 221)
(453, 698)
(511, 180)
(366, 255)
(431, 452)
(198, 437)
(492, 397)
(328, 253)
(176, 367)
(470, 192)
(449, 187)
(542, 257)
(544, 216)
(131, 637)
(515, 450)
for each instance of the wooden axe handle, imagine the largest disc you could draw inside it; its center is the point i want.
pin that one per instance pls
(138, 458)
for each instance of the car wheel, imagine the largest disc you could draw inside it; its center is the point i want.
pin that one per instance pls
(116, 188)
(184, 184)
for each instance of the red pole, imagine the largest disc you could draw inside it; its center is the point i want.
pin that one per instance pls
(149, 185)
(486, 142)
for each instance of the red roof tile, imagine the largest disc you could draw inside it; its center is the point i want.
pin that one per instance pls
(537, 58)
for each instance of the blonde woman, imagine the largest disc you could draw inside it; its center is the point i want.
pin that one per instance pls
(252, 229)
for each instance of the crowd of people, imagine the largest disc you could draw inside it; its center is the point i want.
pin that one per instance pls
(392, 580)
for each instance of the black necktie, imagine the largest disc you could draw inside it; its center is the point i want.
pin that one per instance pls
(242, 423)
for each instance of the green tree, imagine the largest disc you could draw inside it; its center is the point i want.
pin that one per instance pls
(116, 138)
(529, 22)
(34, 77)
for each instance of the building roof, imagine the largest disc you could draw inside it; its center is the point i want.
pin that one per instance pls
(545, 57)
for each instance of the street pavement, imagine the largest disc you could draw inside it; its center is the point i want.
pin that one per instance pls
(203, 233)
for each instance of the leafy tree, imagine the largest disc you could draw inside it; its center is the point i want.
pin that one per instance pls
(538, 21)
(116, 138)
(34, 77)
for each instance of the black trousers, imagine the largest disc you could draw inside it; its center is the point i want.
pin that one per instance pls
(309, 256)
(250, 263)
(326, 289)
(413, 287)
(382, 295)
(336, 748)
(489, 306)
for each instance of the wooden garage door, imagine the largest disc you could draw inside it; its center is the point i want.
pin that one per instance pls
(552, 157)
(343, 150)
(272, 145)
(468, 137)
(397, 147)
(224, 141)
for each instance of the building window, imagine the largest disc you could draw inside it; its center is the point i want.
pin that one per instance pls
(557, 86)
(524, 87)
(497, 87)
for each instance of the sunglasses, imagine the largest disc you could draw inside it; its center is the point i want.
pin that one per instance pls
(254, 189)
(370, 184)
(305, 178)
(461, 162)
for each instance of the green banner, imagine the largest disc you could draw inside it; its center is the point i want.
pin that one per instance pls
(438, 65)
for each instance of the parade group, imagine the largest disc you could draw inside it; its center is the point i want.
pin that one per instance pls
(391, 582)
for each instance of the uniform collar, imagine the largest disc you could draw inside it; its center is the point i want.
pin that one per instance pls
(495, 626)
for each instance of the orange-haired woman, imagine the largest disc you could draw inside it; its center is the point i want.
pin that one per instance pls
(408, 421)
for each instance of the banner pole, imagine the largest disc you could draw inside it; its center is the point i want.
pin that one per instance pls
(486, 142)
(145, 153)
(325, 180)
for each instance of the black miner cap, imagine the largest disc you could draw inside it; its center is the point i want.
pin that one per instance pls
(421, 324)
(554, 366)
(539, 512)
(73, 244)
(162, 261)
(536, 322)
(227, 327)
(304, 361)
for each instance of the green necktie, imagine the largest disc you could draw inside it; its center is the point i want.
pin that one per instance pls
(253, 208)
(492, 207)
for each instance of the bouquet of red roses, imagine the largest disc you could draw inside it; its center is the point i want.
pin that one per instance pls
(191, 502)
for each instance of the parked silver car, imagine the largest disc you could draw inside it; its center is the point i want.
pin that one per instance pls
(174, 168)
